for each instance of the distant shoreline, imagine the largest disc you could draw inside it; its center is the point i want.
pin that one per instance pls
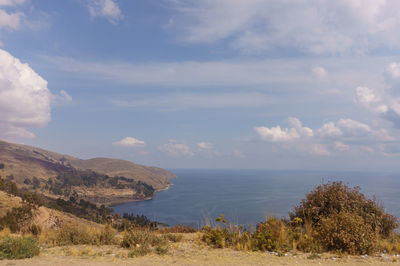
(127, 200)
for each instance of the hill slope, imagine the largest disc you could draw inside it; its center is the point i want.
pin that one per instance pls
(99, 180)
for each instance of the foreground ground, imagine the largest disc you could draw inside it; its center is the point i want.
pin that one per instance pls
(190, 252)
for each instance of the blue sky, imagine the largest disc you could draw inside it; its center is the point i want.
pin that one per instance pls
(205, 84)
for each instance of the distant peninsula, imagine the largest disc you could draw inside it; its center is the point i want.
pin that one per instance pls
(99, 180)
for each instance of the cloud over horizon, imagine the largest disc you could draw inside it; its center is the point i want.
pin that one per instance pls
(129, 142)
(24, 98)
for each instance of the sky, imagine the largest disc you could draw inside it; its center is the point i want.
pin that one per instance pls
(264, 84)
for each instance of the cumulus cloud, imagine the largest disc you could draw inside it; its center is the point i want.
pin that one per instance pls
(278, 134)
(24, 98)
(204, 146)
(296, 124)
(329, 138)
(176, 149)
(329, 130)
(318, 27)
(105, 8)
(129, 142)
(369, 99)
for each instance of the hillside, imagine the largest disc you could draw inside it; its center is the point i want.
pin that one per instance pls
(99, 180)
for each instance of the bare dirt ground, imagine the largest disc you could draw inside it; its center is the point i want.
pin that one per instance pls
(189, 252)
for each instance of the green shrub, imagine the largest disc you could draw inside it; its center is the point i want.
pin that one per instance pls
(271, 235)
(18, 247)
(228, 236)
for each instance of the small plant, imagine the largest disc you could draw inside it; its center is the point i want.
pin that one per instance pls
(173, 237)
(139, 251)
(73, 236)
(142, 242)
(18, 247)
(161, 250)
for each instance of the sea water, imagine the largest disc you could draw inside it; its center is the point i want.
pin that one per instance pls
(249, 196)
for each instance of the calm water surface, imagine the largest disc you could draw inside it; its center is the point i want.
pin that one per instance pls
(248, 196)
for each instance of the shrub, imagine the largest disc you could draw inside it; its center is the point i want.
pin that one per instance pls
(346, 232)
(1, 165)
(334, 198)
(173, 237)
(142, 242)
(343, 219)
(18, 247)
(73, 236)
(178, 229)
(16, 218)
(271, 235)
(232, 236)
(106, 236)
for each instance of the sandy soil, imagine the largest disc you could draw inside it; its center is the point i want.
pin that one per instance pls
(189, 252)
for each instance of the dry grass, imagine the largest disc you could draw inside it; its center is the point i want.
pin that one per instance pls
(189, 251)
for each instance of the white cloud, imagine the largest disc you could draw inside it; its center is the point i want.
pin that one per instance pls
(204, 146)
(129, 142)
(105, 8)
(277, 134)
(176, 149)
(368, 98)
(24, 98)
(314, 26)
(329, 138)
(329, 130)
(10, 21)
(296, 124)
(394, 70)
(12, 2)
(319, 73)
(353, 127)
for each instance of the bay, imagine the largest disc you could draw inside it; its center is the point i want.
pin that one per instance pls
(249, 196)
